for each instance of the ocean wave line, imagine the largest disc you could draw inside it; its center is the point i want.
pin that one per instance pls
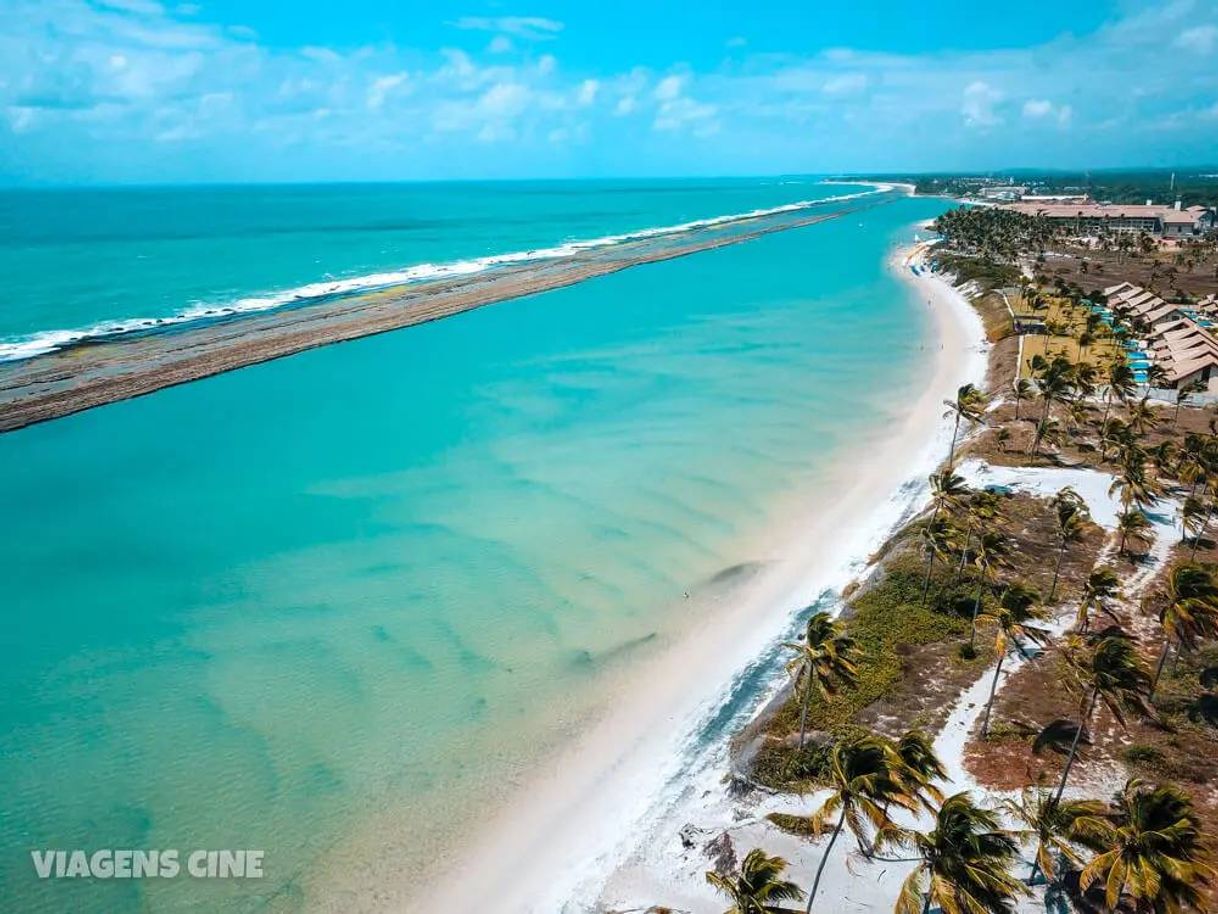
(51, 340)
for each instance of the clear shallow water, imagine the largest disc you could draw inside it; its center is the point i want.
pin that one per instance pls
(260, 610)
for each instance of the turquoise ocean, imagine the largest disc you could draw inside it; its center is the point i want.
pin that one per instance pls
(378, 581)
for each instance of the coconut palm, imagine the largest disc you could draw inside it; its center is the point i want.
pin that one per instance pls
(758, 887)
(1071, 513)
(1190, 610)
(1132, 525)
(969, 404)
(947, 492)
(964, 863)
(1099, 590)
(1186, 393)
(864, 781)
(1053, 824)
(1142, 416)
(920, 767)
(1055, 381)
(1151, 851)
(824, 660)
(1108, 672)
(1013, 618)
(1211, 501)
(1192, 513)
(1121, 387)
(980, 509)
(993, 546)
(939, 538)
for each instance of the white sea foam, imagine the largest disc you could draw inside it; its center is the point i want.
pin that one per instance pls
(50, 340)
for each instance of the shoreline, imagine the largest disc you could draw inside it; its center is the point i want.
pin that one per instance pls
(569, 821)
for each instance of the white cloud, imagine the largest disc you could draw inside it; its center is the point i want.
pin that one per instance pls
(382, 86)
(1201, 39)
(1037, 108)
(845, 84)
(978, 104)
(668, 88)
(87, 87)
(587, 92)
(1041, 109)
(533, 28)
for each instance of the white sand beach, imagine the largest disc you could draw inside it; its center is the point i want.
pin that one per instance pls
(599, 826)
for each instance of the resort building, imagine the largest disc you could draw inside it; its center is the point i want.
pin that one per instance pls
(1094, 218)
(1179, 339)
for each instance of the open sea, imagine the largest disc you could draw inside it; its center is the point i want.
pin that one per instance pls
(383, 578)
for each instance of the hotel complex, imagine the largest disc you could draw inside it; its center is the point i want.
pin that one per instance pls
(1179, 339)
(1088, 218)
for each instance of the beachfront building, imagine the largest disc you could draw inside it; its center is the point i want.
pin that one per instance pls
(1090, 219)
(1178, 338)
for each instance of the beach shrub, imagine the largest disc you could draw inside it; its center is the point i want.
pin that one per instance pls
(888, 621)
(1139, 754)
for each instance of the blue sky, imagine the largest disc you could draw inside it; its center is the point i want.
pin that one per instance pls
(101, 91)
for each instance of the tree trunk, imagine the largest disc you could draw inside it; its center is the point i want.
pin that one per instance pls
(951, 452)
(968, 539)
(803, 714)
(825, 859)
(1204, 526)
(1154, 683)
(1061, 787)
(930, 561)
(972, 640)
(1040, 426)
(1035, 871)
(989, 705)
(1057, 567)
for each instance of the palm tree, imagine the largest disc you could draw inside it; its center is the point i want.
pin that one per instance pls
(1012, 618)
(1072, 514)
(1211, 502)
(947, 491)
(1101, 587)
(864, 779)
(1053, 823)
(1190, 611)
(1120, 385)
(1142, 416)
(920, 767)
(1185, 393)
(1109, 672)
(939, 538)
(969, 404)
(1132, 524)
(1056, 379)
(824, 660)
(964, 865)
(1150, 849)
(992, 549)
(758, 887)
(981, 508)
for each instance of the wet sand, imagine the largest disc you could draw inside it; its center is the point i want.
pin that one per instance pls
(89, 375)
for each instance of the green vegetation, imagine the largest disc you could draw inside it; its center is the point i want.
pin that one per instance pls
(884, 621)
